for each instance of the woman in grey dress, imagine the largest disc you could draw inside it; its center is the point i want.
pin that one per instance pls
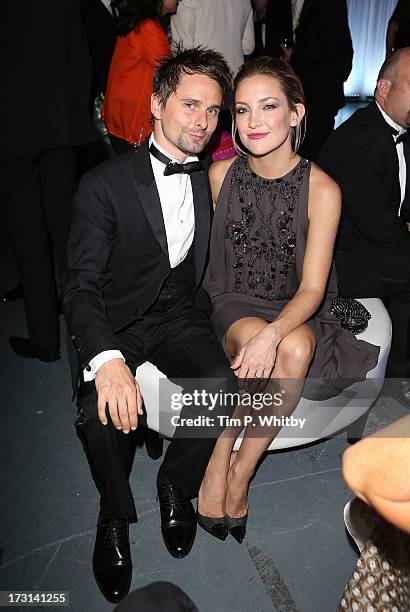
(271, 278)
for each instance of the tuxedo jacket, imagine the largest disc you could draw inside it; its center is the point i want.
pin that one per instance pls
(45, 72)
(361, 156)
(117, 250)
(322, 47)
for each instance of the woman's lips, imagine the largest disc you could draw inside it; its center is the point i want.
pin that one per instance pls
(257, 135)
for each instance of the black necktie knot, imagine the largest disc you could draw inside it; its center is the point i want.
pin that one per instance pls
(173, 167)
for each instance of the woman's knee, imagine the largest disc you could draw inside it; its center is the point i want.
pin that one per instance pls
(295, 353)
(241, 332)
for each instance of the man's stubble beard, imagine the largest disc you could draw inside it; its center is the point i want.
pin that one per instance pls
(191, 148)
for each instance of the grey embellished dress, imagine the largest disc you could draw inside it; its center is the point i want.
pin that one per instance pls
(257, 248)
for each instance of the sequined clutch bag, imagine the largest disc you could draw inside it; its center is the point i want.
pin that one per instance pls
(353, 315)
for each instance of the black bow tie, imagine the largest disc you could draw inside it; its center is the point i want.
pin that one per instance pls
(173, 167)
(403, 136)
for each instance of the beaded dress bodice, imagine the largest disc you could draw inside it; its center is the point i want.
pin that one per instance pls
(260, 231)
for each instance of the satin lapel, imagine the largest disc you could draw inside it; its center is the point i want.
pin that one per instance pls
(307, 8)
(146, 188)
(391, 159)
(202, 208)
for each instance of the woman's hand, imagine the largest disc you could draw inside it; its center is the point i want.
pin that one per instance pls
(286, 53)
(257, 357)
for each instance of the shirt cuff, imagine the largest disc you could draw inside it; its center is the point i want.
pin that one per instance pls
(96, 362)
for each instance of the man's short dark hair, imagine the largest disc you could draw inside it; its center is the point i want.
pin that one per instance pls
(197, 60)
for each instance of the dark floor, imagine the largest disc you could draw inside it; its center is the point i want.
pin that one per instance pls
(296, 555)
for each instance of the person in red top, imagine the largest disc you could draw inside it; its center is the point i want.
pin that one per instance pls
(141, 41)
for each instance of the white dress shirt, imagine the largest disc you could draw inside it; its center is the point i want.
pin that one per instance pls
(400, 154)
(177, 204)
(297, 6)
(223, 25)
(107, 4)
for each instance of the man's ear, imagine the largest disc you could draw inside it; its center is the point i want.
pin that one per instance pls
(156, 107)
(297, 115)
(383, 88)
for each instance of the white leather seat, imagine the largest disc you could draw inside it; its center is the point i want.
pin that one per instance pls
(323, 419)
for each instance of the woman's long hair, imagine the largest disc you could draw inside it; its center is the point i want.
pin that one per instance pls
(130, 13)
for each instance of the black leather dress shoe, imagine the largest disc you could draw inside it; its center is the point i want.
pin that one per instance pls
(178, 519)
(24, 347)
(13, 294)
(112, 562)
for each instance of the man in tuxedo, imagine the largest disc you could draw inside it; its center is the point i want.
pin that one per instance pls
(368, 157)
(314, 36)
(136, 255)
(44, 118)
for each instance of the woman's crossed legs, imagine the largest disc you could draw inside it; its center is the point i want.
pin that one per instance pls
(226, 481)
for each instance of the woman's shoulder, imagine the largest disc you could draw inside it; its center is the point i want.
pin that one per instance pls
(217, 173)
(321, 184)
(325, 197)
(149, 40)
(149, 27)
(218, 169)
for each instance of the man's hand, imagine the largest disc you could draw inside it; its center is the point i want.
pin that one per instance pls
(117, 387)
(287, 53)
(256, 359)
(408, 226)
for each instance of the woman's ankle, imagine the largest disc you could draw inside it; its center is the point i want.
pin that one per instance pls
(213, 484)
(240, 470)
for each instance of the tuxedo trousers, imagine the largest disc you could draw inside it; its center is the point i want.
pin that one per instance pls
(384, 273)
(36, 193)
(183, 345)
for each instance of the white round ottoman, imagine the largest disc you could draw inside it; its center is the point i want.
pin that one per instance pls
(322, 419)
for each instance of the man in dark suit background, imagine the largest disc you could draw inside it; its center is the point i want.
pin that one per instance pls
(368, 156)
(101, 33)
(314, 36)
(44, 100)
(136, 257)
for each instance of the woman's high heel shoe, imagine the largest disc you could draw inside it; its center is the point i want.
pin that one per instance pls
(237, 527)
(215, 526)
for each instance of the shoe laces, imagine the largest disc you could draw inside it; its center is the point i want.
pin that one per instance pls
(115, 535)
(171, 497)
